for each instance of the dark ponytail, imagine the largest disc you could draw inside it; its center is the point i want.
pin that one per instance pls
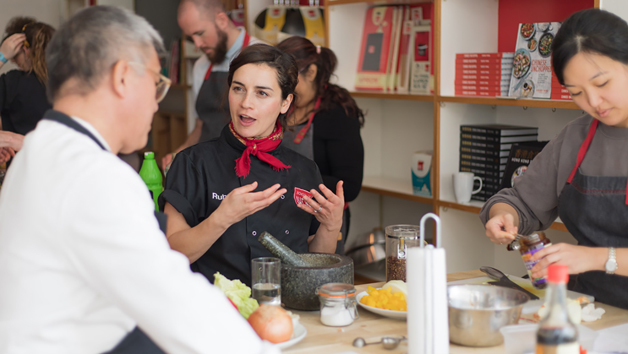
(306, 54)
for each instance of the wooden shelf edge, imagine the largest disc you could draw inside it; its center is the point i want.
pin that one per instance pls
(411, 197)
(476, 210)
(559, 226)
(387, 2)
(393, 96)
(558, 104)
(452, 205)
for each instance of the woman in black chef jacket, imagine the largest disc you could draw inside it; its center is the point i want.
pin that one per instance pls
(581, 175)
(222, 194)
(23, 98)
(325, 123)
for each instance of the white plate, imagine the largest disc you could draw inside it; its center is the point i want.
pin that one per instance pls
(297, 335)
(382, 312)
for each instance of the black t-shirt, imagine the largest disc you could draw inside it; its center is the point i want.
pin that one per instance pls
(23, 101)
(203, 174)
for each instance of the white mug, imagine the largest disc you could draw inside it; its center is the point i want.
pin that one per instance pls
(463, 186)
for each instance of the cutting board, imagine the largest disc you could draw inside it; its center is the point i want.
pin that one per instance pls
(531, 306)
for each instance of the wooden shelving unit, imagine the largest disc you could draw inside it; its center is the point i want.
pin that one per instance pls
(393, 96)
(492, 101)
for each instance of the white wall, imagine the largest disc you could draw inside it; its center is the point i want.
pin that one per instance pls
(48, 11)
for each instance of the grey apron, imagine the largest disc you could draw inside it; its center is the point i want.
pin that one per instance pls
(136, 342)
(212, 105)
(306, 148)
(594, 211)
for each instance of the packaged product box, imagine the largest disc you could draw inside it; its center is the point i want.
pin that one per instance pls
(421, 170)
(372, 67)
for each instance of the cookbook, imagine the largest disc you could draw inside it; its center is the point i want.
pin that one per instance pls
(532, 64)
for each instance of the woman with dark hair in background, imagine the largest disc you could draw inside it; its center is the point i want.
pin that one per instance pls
(325, 123)
(581, 175)
(23, 92)
(221, 194)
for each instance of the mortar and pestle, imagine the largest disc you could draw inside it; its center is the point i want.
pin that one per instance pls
(302, 274)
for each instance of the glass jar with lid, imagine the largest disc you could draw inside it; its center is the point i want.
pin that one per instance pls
(398, 239)
(338, 304)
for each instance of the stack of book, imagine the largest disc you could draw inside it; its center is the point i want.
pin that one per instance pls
(484, 150)
(559, 92)
(483, 74)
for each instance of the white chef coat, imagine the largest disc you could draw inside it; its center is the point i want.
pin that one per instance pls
(82, 259)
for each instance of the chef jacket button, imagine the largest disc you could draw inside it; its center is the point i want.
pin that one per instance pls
(287, 232)
(254, 233)
(283, 196)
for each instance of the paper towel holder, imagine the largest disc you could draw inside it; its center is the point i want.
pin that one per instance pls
(436, 219)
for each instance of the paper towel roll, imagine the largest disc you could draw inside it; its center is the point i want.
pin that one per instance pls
(428, 332)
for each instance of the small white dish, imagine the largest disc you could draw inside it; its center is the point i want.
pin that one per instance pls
(298, 334)
(382, 312)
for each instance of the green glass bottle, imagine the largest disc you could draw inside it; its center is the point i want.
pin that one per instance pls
(151, 175)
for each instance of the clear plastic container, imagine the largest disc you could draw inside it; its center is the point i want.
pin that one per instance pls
(338, 304)
(398, 239)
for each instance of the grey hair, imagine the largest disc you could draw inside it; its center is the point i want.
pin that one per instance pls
(89, 44)
(208, 6)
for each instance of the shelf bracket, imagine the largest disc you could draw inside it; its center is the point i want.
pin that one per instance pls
(525, 108)
(554, 109)
(442, 104)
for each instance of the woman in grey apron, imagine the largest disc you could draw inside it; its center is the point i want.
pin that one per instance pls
(582, 174)
(325, 125)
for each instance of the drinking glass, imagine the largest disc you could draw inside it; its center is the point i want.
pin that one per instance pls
(266, 280)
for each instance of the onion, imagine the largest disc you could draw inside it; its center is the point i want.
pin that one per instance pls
(271, 323)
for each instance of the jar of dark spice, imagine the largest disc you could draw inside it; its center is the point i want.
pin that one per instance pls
(529, 245)
(398, 239)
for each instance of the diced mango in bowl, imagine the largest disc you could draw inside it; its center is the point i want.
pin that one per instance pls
(385, 299)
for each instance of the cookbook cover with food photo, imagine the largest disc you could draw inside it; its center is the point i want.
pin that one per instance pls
(532, 64)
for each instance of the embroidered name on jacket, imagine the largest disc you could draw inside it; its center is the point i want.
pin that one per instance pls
(218, 197)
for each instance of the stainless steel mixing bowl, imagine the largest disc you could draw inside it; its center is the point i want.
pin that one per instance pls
(477, 312)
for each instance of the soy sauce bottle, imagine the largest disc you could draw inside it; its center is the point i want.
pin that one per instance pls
(557, 334)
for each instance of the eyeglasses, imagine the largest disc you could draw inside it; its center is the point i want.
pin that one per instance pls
(162, 86)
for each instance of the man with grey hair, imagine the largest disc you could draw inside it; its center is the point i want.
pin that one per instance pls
(84, 266)
(206, 23)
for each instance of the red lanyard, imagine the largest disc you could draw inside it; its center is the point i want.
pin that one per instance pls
(247, 38)
(303, 131)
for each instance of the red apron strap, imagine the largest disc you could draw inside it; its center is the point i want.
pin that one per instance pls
(303, 131)
(583, 148)
(247, 39)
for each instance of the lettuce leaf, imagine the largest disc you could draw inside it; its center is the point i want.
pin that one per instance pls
(239, 293)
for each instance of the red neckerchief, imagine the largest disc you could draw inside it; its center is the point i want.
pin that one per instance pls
(303, 131)
(247, 38)
(259, 148)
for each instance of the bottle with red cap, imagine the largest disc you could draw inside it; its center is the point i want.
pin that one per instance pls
(557, 334)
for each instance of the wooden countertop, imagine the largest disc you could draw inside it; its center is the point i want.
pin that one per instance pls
(323, 339)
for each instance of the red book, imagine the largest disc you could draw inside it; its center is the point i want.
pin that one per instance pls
(481, 72)
(492, 82)
(560, 97)
(485, 55)
(494, 66)
(496, 77)
(374, 50)
(483, 61)
(481, 88)
(480, 93)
